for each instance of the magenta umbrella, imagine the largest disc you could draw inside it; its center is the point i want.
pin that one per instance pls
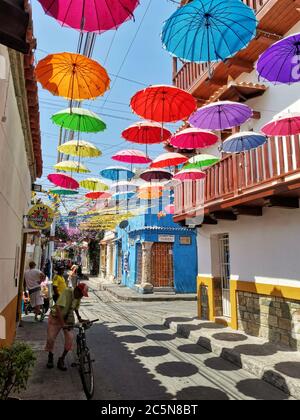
(286, 125)
(170, 209)
(90, 15)
(190, 175)
(193, 138)
(63, 181)
(132, 156)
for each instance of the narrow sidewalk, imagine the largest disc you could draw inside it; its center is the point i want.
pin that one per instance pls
(276, 365)
(127, 294)
(47, 384)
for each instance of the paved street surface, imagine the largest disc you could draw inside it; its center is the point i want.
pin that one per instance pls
(137, 357)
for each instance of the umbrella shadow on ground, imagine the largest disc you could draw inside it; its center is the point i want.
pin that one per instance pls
(177, 369)
(155, 327)
(124, 328)
(152, 351)
(256, 388)
(161, 337)
(119, 374)
(201, 393)
(291, 369)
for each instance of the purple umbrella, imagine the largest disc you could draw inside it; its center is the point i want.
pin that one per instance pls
(221, 115)
(281, 62)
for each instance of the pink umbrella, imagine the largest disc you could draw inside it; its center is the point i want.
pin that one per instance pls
(63, 181)
(286, 125)
(132, 156)
(190, 175)
(90, 15)
(193, 138)
(98, 195)
(170, 209)
(168, 159)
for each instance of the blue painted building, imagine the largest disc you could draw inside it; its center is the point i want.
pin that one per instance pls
(157, 252)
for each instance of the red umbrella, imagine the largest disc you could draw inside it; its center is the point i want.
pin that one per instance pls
(168, 159)
(63, 181)
(98, 195)
(132, 156)
(163, 104)
(285, 125)
(146, 132)
(193, 138)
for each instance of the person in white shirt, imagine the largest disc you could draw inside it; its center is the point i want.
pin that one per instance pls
(33, 279)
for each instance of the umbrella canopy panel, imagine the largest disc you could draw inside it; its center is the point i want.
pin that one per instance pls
(152, 175)
(167, 160)
(242, 142)
(132, 156)
(285, 125)
(201, 162)
(64, 181)
(72, 76)
(116, 173)
(70, 166)
(79, 148)
(79, 119)
(93, 184)
(90, 15)
(193, 138)
(163, 104)
(146, 133)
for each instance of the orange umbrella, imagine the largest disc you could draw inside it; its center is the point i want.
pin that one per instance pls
(72, 76)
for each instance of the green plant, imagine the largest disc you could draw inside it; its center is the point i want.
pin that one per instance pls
(16, 363)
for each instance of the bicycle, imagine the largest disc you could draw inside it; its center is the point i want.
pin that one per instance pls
(84, 362)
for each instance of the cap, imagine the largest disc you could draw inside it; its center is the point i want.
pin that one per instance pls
(84, 289)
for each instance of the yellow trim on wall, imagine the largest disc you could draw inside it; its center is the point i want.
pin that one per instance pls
(209, 282)
(286, 292)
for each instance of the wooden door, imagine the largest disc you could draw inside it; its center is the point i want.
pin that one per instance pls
(162, 265)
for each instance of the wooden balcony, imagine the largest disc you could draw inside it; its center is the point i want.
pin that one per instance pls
(276, 18)
(244, 183)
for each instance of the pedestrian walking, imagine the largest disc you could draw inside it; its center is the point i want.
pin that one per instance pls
(61, 317)
(73, 278)
(33, 279)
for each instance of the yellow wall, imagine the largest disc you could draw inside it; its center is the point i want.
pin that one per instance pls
(291, 293)
(9, 313)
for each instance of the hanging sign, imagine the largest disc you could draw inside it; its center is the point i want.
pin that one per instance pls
(185, 240)
(40, 217)
(166, 238)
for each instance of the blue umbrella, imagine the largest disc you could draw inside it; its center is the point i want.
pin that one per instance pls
(209, 30)
(115, 173)
(242, 142)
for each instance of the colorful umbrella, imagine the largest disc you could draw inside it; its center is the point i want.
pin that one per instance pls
(132, 156)
(82, 149)
(97, 195)
(115, 173)
(170, 209)
(78, 119)
(280, 63)
(201, 162)
(120, 196)
(221, 116)
(90, 15)
(190, 175)
(286, 125)
(123, 186)
(167, 160)
(72, 76)
(156, 175)
(70, 166)
(209, 30)
(242, 142)
(64, 181)
(151, 192)
(193, 138)
(63, 191)
(146, 132)
(93, 184)
(163, 104)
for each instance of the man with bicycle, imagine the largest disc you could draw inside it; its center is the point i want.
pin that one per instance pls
(61, 317)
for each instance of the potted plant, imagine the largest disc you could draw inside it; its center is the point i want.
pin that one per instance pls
(16, 363)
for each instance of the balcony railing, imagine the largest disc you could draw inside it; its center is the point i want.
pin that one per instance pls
(236, 176)
(190, 73)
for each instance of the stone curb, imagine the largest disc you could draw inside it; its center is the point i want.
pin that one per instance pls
(147, 298)
(253, 365)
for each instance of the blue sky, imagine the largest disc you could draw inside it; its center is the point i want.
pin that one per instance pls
(147, 64)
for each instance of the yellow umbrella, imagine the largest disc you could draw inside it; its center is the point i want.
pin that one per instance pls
(93, 184)
(70, 166)
(72, 76)
(82, 149)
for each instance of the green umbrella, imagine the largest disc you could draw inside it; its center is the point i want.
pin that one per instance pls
(201, 161)
(79, 119)
(63, 191)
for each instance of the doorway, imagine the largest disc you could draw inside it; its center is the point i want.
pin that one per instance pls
(162, 273)
(224, 260)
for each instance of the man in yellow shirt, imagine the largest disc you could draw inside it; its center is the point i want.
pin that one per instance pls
(59, 283)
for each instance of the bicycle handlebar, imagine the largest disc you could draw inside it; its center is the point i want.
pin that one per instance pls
(79, 325)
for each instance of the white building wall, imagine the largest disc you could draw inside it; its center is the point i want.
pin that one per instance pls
(262, 249)
(15, 184)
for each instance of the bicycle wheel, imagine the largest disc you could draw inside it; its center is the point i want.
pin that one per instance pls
(86, 373)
